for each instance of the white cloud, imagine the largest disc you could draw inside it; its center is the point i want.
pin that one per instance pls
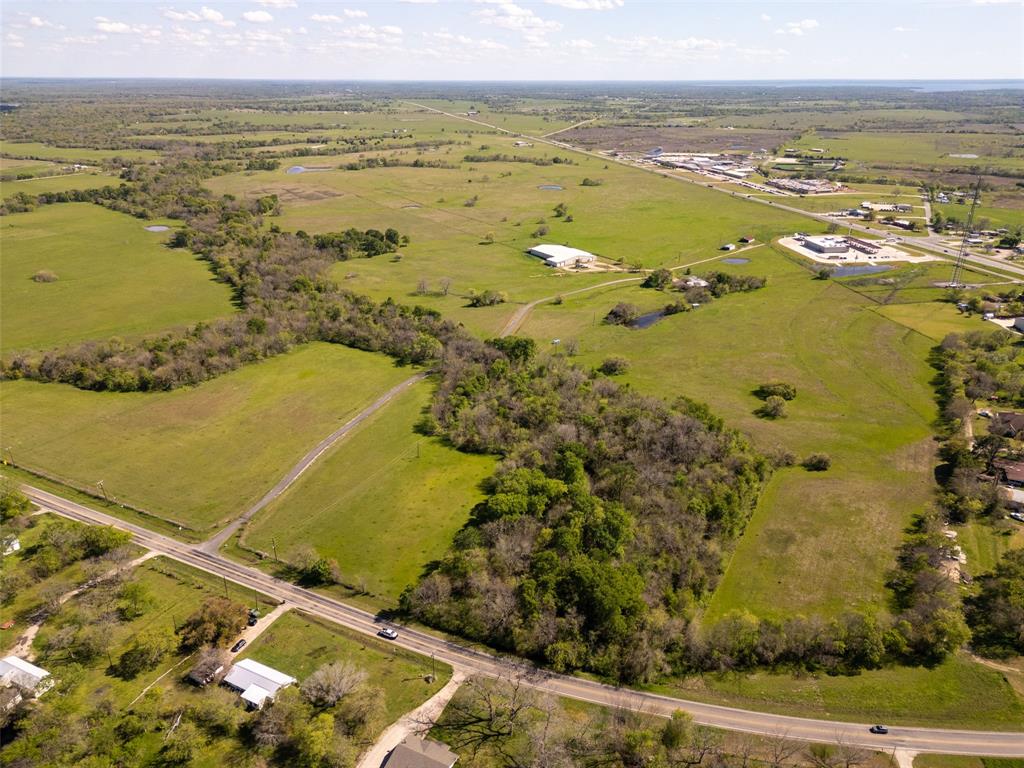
(516, 18)
(765, 17)
(391, 30)
(15, 40)
(419, 2)
(903, 29)
(686, 48)
(203, 14)
(587, 5)
(38, 21)
(257, 17)
(580, 45)
(798, 27)
(84, 39)
(103, 24)
(278, 3)
(333, 18)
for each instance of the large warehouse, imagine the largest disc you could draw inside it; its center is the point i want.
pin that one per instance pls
(562, 255)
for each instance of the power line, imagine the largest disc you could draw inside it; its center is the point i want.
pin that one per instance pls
(961, 256)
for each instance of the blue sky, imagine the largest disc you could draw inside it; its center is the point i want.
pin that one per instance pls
(493, 40)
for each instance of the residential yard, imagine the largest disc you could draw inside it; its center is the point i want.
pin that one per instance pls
(298, 644)
(198, 456)
(384, 503)
(113, 278)
(959, 693)
(863, 397)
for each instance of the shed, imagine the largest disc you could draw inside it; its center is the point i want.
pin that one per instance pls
(415, 752)
(27, 677)
(256, 682)
(562, 255)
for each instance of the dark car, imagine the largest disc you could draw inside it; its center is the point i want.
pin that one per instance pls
(388, 633)
(879, 729)
(238, 646)
(253, 620)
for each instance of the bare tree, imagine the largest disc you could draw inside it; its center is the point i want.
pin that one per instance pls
(446, 285)
(332, 682)
(782, 750)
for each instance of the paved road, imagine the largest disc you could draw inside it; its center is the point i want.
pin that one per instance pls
(213, 544)
(471, 661)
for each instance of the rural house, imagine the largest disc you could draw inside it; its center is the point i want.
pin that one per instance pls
(1011, 424)
(414, 752)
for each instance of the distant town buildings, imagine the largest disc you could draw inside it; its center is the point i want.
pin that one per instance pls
(806, 186)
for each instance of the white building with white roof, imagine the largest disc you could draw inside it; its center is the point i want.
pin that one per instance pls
(256, 682)
(562, 255)
(27, 677)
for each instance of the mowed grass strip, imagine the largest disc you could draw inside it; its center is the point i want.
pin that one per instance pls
(298, 644)
(48, 184)
(384, 503)
(197, 456)
(959, 693)
(113, 278)
(818, 542)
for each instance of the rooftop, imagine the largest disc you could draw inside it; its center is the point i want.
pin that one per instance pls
(414, 752)
(247, 673)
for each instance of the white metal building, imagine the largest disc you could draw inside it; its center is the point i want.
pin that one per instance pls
(256, 682)
(827, 244)
(30, 679)
(562, 255)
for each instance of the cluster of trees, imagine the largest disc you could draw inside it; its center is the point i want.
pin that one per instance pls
(996, 613)
(775, 396)
(975, 366)
(353, 242)
(603, 525)
(391, 162)
(501, 157)
(719, 284)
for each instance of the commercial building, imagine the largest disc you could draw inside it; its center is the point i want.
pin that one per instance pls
(29, 679)
(562, 255)
(256, 682)
(805, 186)
(826, 244)
(864, 246)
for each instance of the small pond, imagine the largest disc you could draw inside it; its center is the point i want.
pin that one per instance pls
(646, 321)
(157, 228)
(864, 269)
(304, 169)
(554, 187)
(735, 260)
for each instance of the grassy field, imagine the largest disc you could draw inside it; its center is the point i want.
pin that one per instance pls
(926, 760)
(959, 694)
(114, 278)
(197, 456)
(863, 397)
(668, 222)
(926, 149)
(996, 217)
(932, 319)
(384, 503)
(63, 183)
(38, 151)
(298, 644)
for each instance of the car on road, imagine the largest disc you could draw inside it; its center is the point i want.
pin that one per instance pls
(1018, 516)
(238, 646)
(878, 729)
(388, 633)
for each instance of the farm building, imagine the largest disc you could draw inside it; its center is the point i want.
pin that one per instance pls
(256, 682)
(1009, 423)
(562, 255)
(29, 679)
(414, 752)
(1018, 324)
(826, 244)
(693, 282)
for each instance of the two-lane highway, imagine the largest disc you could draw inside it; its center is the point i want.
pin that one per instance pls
(476, 662)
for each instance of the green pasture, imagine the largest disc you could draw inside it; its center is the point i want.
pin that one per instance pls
(384, 503)
(11, 166)
(114, 278)
(863, 397)
(298, 644)
(934, 319)
(985, 217)
(196, 456)
(920, 149)
(959, 693)
(38, 151)
(62, 183)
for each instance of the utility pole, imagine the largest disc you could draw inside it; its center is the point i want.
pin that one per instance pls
(225, 585)
(99, 484)
(273, 541)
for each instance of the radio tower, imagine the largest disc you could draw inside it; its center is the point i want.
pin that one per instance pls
(961, 256)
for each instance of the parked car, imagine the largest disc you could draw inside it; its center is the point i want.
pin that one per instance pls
(1018, 516)
(388, 633)
(879, 729)
(238, 646)
(253, 619)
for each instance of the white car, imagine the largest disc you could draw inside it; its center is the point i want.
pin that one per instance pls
(388, 633)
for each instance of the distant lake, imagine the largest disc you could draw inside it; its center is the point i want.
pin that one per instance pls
(157, 228)
(304, 169)
(736, 260)
(646, 321)
(554, 187)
